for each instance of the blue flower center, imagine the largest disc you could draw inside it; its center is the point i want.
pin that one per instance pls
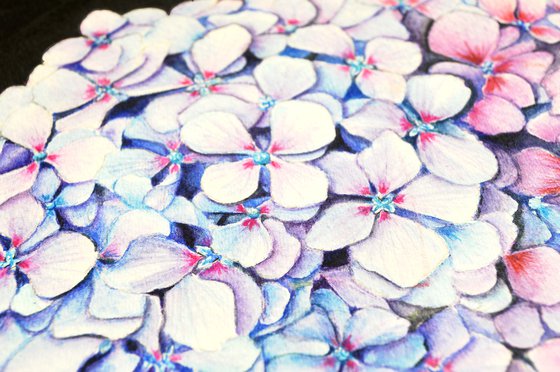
(10, 261)
(103, 90)
(176, 157)
(261, 157)
(209, 258)
(341, 354)
(524, 26)
(39, 157)
(253, 213)
(100, 40)
(418, 125)
(402, 6)
(203, 86)
(383, 204)
(487, 68)
(358, 64)
(266, 103)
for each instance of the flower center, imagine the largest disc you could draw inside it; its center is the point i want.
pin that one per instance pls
(383, 203)
(39, 156)
(266, 103)
(524, 26)
(203, 86)
(253, 213)
(402, 6)
(10, 261)
(176, 157)
(341, 354)
(100, 40)
(210, 258)
(104, 90)
(261, 157)
(357, 64)
(487, 68)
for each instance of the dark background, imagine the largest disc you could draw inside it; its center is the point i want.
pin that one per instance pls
(29, 27)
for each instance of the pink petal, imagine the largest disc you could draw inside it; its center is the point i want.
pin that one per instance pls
(389, 162)
(545, 126)
(539, 172)
(510, 87)
(465, 36)
(17, 181)
(298, 127)
(533, 274)
(80, 160)
(531, 66)
(229, 42)
(382, 85)
(67, 51)
(401, 250)
(59, 263)
(344, 174)
(495, 115)
(531, 10)
(546, 33)
(546, 357)
(29, 126)
(217, 133)
(296, 185)
(101, 22)
(502, 10)
(228, 183)
(323, 39)
(19, 218)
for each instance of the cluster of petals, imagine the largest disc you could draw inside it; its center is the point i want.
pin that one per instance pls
(286, 185)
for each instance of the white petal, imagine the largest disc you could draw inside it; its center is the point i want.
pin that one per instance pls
(101, 21)
(233, 182)
(247, 244)
(200, 313)
(254, 21)
(284, 77)
(495, 300)
(344, 174)
(180, 32)
(8, 287)
(465, 161)
(323, 39)
(326, 234)
(298, 127)
(29, 126)
(332, 78)
(297, 185)
(67, 51)
(19, 218)
(401, 250)
(17, 181)
(220, 47)
(520, 326)
(102, 58)
(43, 350)
(382, 85)
(62, 90)
(90, 117)
(389, 162)
(150, 263)
(437, 96)
(285, 252)
(59, 263)
(393, 55)
(374, 118)
(216, 133)
(162, 113)
(432, 196)
(473, 245)
(131, 226)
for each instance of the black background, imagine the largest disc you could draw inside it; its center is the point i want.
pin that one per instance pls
(29, 27)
